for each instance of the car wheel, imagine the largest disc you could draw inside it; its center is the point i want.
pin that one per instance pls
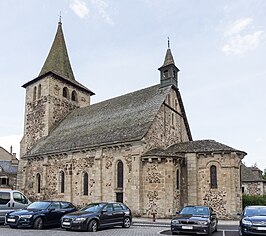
(209, 233)
(93, 226)
(38, 223)
(216, 227)
(126, 222)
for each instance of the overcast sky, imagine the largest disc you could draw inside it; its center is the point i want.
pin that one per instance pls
(116, 47)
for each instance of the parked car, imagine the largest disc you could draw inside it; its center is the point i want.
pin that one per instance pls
(98, 215)
(195, 220)
(39, 214)
(11, 200)
(253, 221)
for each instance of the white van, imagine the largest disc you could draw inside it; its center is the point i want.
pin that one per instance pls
(11, 200)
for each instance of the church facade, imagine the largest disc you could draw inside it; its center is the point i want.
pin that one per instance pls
(136, 148)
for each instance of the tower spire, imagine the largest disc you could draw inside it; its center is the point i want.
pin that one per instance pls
(168, 42)
(57, 60)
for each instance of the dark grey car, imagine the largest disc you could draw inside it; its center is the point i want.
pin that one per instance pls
(195, 220)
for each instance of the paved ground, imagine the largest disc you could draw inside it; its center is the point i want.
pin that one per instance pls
(139, 228)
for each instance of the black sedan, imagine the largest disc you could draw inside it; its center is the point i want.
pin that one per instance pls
(39, 214)
(98, 215)
(253, 221)
(195, 220)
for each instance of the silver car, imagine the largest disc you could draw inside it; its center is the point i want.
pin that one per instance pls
(11, 200)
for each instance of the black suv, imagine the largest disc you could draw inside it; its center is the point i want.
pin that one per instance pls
(98, 215)
(39, 214)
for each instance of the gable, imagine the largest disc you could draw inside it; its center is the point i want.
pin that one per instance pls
(122, 119)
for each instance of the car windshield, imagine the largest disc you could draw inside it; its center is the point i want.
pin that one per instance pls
(195, 210)
(39, 205)
(255, 211)
(93, 207)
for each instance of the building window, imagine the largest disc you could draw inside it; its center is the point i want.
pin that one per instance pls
(38, 177)
(165, 74)
(85, 184)
(62, 181)
(39, 91)
(34, 93)
(213, 175)
(74, 96)
(120, 174)
(65, 92)
(177, 179)
(4, 181)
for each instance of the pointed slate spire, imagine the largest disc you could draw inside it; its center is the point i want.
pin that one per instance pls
(169, 71)
(58, 61)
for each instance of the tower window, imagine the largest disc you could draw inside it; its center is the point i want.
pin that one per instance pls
(34, 93)
(39, 91)
(166, 74)
(85, 184)
(120, 174)
(74, 96)
(65, 92)
(38, 178)
(213, 175)
(62, 181)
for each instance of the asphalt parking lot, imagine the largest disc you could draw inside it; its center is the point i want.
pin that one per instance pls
(226, 230)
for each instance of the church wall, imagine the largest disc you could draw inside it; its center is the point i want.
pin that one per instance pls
(168, 127)
(253, 188)
(160, 195)
(226, 199)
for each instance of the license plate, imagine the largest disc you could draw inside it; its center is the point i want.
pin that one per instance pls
(261, 228)
(66, 223)
(11, 220)
(186, 227)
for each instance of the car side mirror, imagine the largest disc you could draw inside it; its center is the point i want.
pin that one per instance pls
(239, 214)
(51, 209)
(177, 212)
(103, 211)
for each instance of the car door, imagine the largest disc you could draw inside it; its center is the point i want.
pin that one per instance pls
(20, 201)
(5, 198)
(118, 214)
(213, 219)
(53, 214)
(106, 216)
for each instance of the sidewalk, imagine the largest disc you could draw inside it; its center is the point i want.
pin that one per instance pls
(140, 221)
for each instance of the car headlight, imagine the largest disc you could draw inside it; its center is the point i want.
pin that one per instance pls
(246, 222)
(26, 216)
(80, 219)
(203, 222)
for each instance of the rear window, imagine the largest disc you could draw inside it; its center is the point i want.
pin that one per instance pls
(4, 198)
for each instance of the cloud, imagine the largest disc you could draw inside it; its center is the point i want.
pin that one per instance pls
(238, 40)
(80, 8)
(239, 26)
(103, 7)
(240, 44)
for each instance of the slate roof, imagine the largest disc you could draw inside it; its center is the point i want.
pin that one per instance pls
(118, 120)
(8, 168)
(169, 59)
(197, 146)
(251, 174)
(58, 63)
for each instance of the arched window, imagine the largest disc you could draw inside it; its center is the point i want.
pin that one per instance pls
(39, 91)
(177, 179)
(85, 184)
(62, 181)
(120, 174)
(166, 74)
(213, 175)
(34, 93)
(38, 178)
(65, 92)
(74, 96)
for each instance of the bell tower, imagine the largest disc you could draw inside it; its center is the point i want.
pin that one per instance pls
(52, 95)
(168, 71)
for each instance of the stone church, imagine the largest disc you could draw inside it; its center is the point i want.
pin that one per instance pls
(136, 148)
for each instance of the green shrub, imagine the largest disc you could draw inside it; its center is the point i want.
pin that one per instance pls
(248, 200)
